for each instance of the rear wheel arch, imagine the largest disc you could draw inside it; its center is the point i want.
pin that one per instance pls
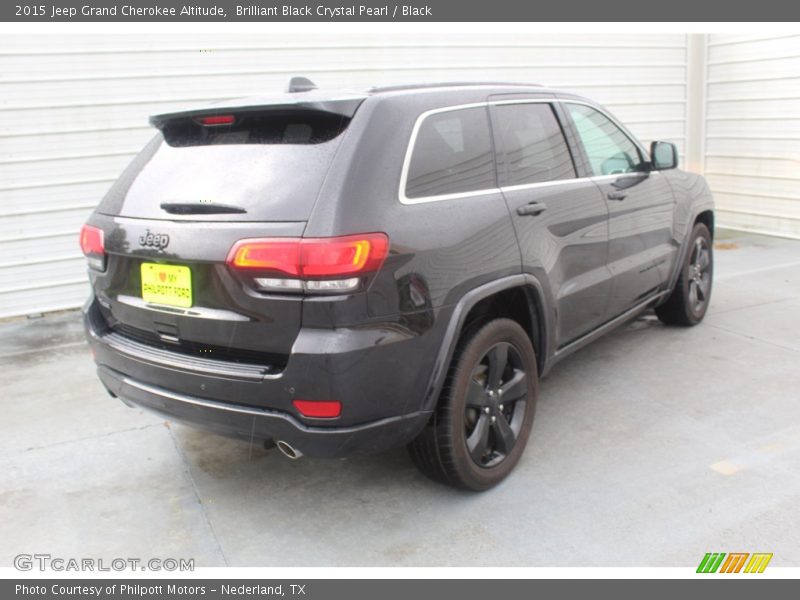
(520, 304)
(517, 297)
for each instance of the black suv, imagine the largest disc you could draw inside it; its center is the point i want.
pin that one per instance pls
(337, 273)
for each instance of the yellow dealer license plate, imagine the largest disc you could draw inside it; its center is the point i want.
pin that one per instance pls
(167, 284)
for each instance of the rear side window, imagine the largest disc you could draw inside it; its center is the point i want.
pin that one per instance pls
(452, 154)
(533, 145)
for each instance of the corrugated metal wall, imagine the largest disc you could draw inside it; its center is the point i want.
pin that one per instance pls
(752, 146)
(73, 111)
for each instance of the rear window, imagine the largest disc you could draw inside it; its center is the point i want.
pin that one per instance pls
(452, 154)
(269, 166)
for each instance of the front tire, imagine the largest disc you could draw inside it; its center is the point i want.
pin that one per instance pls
(485, 411)
(688, 303)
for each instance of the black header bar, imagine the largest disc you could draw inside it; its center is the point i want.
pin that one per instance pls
(407, 11)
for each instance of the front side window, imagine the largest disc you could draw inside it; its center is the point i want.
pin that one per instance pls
(609, 150)
(533, 144)
(452, 154)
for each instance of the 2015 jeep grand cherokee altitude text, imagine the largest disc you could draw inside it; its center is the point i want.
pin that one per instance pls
(338, 273)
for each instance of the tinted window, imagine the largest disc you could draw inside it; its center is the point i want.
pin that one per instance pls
(269, 163)
(271, 182)
(533, 144)
(452, 154)
(609, 150)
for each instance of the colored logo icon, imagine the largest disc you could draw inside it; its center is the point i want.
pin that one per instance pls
(734, 562)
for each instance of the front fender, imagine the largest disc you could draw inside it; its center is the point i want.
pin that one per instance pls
(692, 197)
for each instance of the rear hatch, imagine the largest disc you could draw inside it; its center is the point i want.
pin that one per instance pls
(208, 179)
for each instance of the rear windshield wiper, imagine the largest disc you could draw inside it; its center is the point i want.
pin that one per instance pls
(200, 208)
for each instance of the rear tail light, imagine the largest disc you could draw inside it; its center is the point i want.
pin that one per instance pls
(315, 265)
(93, 247)
(318, 409)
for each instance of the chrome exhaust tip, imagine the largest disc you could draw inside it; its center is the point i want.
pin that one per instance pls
(288, 450)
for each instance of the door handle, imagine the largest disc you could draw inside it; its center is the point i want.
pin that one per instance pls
(617, 195)
(531, 209)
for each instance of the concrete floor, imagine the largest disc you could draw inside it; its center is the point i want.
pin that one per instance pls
(651, 447)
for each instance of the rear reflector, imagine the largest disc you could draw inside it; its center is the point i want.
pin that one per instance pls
(93, 247)
(318, 409)
(316, 258)
(216, 120)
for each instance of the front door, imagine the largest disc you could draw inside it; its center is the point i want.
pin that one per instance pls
(640, 206)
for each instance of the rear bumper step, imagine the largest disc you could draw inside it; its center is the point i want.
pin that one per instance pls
(173, 360)
(137, 345)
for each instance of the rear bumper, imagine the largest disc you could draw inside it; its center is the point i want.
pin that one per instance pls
(381, 377)
(262, 424)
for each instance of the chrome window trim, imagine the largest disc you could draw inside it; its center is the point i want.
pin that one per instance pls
(555, 182)
(487, 191)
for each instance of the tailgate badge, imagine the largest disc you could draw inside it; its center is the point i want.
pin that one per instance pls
(154, 240)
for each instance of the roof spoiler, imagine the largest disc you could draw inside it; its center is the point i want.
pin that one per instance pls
(345, 107)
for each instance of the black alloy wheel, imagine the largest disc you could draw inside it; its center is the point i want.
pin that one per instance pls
(689, 301)
(481, 425)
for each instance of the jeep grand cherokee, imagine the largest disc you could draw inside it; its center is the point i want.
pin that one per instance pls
(351, 272)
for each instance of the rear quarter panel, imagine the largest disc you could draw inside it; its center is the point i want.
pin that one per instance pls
(439, 250)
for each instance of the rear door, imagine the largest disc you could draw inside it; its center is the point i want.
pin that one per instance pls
(560, 219)
(640, 205)
(171, 219)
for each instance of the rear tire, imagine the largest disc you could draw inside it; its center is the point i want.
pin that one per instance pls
(688, 303)
(485, 412)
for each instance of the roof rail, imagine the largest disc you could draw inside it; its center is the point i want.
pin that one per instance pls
(300, 84)
(444, 84)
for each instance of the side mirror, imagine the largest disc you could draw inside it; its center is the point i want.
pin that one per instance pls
(663, 155)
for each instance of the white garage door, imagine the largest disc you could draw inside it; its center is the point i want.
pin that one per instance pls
(73, 111)
(753, 132)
